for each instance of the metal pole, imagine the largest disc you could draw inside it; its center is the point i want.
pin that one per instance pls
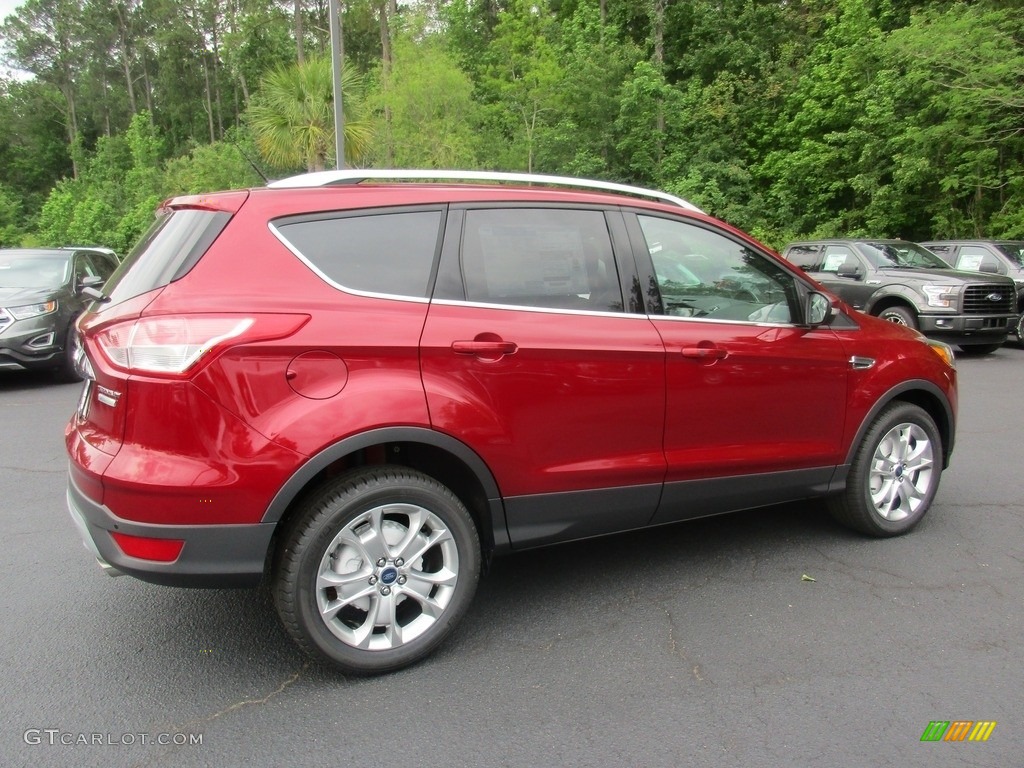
(337, 57)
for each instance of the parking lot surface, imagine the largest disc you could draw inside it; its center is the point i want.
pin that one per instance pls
(766, 638)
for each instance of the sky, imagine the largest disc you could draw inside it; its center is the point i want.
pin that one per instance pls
(7, 7)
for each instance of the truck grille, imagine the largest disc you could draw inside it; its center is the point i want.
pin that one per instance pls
(989, 299)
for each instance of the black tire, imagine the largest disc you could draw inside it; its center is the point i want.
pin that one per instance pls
(354, 533)
(894, 475)
(899, 316)
(979, 349)
(68, 370)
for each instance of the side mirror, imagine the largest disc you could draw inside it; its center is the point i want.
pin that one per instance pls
(90, 286)
(987, 266)
(850, 273)
(817, 309)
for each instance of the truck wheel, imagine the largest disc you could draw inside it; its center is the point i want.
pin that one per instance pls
(376, 569)
(899, 316)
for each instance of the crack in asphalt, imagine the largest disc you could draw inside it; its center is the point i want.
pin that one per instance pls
(194, 725)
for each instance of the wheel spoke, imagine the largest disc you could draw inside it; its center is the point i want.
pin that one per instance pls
(350, 586)
(382, 614)
(422, 583)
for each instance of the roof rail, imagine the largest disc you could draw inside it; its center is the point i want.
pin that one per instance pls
(356, 175)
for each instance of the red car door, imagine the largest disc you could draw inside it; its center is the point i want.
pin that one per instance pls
(532, 357)
(755, 403)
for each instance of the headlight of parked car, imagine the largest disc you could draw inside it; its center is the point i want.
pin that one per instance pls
(33, 310)
(941, 296)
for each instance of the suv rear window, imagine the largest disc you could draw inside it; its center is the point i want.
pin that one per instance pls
(387, 253)
(170, 248)
(807, 257)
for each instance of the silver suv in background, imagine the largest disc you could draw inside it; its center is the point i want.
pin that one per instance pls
(994, 257)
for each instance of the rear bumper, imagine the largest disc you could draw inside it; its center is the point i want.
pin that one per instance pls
(213, 555)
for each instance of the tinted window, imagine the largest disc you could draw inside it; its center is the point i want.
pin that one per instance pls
(703, 274)
(391, 253)
(807, 257)
(173, 244)
(551, 258)
(901, 255)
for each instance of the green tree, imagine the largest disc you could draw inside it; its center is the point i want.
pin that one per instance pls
(293, 118)
(519, 82)
(433, 117)
(44, 39)
(957, 158)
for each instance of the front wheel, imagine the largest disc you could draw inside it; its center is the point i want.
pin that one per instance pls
(894, 475)
(376, 570)
(899, 316)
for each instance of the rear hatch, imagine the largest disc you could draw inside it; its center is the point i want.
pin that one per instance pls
(184, 230)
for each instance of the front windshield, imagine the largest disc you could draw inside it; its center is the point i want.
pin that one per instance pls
(902, 255)
(1014, 249)
(40, 272)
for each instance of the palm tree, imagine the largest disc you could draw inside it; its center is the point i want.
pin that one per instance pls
(292, 116)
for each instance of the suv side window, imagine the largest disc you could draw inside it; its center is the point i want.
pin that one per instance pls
(93, 265)
(973, 258)
(540, 257)
(703, 274)
(839, 258)
(385, 253)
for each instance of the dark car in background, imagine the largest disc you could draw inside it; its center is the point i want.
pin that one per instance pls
(42, 293)
(994, 257)
(906, 284)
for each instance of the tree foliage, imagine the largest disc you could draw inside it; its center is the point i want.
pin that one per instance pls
(874, 117)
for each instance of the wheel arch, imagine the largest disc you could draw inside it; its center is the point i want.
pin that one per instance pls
(449, 461)
(886, 301)
(923, 394)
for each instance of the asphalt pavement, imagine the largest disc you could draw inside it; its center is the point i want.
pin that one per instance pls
(766, 638)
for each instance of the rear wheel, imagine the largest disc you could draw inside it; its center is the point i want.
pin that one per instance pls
(376, 570)
(899, 316)
(895, 473)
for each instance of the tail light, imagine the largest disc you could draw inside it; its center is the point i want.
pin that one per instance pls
(173, 345)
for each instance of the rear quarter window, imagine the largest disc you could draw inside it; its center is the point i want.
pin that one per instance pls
(168, 250)
(390, 253)
(807, 257)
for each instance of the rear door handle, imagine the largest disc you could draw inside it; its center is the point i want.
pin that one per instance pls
(490, 350)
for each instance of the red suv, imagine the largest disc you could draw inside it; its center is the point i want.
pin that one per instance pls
(360, 388)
